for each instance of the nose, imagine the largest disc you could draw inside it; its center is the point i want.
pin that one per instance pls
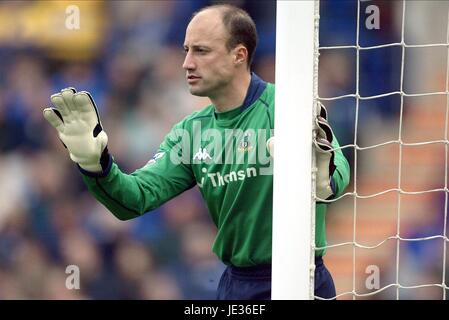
(189, 63)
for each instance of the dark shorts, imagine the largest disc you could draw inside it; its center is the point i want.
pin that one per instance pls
(254, 283)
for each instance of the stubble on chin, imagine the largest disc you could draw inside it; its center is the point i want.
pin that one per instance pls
(197, 92)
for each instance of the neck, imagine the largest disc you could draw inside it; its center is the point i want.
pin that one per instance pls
(233, 95)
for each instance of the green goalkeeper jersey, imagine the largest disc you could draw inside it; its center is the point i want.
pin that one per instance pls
(225, 155)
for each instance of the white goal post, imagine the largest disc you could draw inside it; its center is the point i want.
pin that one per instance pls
(293, 201)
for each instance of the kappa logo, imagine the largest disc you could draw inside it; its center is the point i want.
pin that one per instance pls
(202, 155)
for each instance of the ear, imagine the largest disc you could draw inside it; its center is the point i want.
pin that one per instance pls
(240, 54)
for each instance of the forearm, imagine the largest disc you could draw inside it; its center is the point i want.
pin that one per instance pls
(341, 174)
(129, 196)
(120, 193)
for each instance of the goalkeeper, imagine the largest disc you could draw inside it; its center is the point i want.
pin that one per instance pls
(219, 45)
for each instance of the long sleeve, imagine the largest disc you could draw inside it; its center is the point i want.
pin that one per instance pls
(341, 174)
(130, 195)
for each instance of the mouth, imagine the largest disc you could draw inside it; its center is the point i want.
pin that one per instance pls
(192, 79)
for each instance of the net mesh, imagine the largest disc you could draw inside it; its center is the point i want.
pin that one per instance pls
(393, 216)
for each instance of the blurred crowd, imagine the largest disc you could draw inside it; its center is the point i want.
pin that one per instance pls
(128, 55)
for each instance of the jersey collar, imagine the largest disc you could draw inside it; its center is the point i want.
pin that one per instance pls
(255, 90)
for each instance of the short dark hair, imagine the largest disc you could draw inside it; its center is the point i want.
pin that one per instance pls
(241, 28)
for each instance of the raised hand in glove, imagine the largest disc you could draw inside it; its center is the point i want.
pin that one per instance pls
(76, 119)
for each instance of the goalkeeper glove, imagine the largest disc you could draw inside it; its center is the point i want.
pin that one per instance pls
(76, 119)
(324, 156)
(323, 138)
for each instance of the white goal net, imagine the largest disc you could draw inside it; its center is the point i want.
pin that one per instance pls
(387, 235)
(384, 78)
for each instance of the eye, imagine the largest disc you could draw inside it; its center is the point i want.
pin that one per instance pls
(201, 50)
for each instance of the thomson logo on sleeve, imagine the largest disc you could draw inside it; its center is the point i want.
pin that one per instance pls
(219, 180)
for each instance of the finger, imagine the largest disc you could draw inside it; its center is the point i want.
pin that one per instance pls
(321, 110)
(102, 139)
(67, 94)
(325, 153)
(59, 103)
(87, 109)
(51, 115)
(324, 129)
(85, 105)
(323, 144)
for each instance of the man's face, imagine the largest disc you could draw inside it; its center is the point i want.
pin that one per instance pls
(208, 63)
